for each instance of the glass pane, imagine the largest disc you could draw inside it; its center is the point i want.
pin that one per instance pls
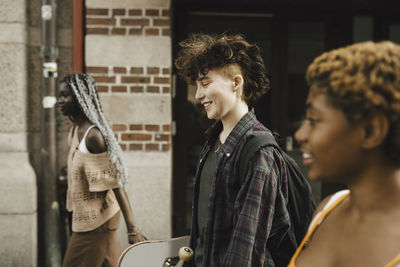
(394, 33)
(305, 42)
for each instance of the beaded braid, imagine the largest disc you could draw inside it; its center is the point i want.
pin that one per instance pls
(85, 92)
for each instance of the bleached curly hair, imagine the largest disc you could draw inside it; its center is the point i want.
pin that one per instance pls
(362, 79)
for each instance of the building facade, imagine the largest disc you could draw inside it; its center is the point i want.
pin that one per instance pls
(128, 46)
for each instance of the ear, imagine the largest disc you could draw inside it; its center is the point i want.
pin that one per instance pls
(376, 128)
(237, 82)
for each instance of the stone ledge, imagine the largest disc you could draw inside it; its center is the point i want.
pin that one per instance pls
(127, 3)
(128, 50)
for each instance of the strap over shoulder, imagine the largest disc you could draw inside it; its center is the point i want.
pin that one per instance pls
(253, 144)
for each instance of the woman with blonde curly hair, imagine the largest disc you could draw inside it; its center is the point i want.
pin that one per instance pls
(351, 135)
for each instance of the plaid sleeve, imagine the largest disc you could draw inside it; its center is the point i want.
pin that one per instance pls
(255, 208)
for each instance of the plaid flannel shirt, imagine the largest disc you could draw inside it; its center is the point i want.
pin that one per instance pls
(242, 217)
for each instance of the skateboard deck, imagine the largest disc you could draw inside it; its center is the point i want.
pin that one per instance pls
(152, 253)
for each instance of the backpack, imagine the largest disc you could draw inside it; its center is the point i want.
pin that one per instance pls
(301, 204)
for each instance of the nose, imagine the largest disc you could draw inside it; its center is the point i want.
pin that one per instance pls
(301, 134)
(199, 93)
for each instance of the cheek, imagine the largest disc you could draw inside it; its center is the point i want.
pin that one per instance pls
(336, 156)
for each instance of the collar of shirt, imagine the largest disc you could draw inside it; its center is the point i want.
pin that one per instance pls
(234, 136)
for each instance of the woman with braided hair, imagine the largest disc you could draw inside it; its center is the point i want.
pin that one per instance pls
(96, 179)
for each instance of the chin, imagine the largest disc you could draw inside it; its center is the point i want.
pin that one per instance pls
(321, 177)
(314, 176)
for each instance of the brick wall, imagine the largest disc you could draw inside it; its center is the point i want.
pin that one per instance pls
(148, 22)
(136, 80)
(133, 79)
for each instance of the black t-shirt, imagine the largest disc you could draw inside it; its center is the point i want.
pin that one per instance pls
(207, 174)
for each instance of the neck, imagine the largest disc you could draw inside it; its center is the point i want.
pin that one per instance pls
(377, 190)
(80, 120)
(232, 118)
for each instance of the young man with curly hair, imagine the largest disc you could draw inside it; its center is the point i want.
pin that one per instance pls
(351, 135)
(234, 222)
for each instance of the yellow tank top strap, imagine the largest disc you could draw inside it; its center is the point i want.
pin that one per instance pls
(316, 222)
(394, 263)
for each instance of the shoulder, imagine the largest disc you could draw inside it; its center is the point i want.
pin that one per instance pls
(95, 141)
(322, 204)
(330, 200)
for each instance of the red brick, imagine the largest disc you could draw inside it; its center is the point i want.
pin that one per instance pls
(103, 31)
(135, 146)
(119, 127)
(153, 70)
(118, 31)
(135, 12)
(152, 31)
(152, 127)
(152, 12)
(166, 32)
(118, 12)
(119, 70)
(165, 147)
(93, 69)
(119, 89)
(152, 147)
(135, 22)
(97, 11)
(123, 147)
(104, 79)
(161, 22)
(165, 13)
(165, 90)
(102, 89)
(136, 70)
(166, 127)
(136, 127)
(136, 31)
(163, 80)
(137, 89)
(153, 89)
(135, 79)
(165, 71)
(109, 22)
(136, 137)
(162, 137)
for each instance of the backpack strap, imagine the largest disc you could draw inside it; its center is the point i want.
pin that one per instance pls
(253, 144)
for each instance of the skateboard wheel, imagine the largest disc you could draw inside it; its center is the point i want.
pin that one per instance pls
(185, 253)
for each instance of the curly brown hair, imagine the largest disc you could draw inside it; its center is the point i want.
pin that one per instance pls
(360, 80)
(201, 53)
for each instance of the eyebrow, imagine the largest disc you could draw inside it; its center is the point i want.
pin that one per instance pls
(202, 78)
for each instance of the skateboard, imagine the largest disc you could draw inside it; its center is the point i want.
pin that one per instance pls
(157, 253)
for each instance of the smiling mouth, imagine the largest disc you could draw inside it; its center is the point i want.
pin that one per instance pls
(307, 158)
(206, 104)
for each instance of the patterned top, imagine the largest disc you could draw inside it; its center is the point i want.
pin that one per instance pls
(90, 180)
(242, 217)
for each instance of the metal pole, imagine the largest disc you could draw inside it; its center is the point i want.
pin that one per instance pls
(48, 191)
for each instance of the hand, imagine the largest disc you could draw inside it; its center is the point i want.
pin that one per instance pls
(136, 235)
(137, 238)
